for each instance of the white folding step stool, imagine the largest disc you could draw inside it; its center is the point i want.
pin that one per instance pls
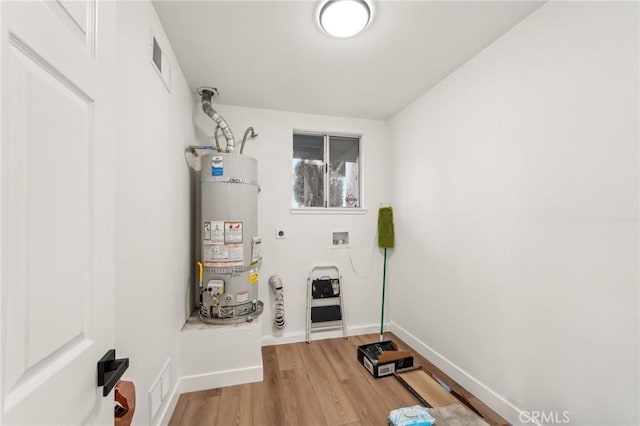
(325, 310)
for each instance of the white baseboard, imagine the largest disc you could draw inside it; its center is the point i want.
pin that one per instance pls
(318, 335)
(199, 382)
(498, 403)
(220, 379)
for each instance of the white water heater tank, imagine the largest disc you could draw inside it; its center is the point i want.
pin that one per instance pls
(229, 242)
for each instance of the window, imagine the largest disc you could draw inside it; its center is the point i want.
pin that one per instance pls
(326, 171)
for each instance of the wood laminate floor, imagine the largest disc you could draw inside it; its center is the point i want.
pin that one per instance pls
(320, 383)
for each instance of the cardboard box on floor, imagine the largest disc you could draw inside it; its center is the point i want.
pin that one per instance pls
(383, 358)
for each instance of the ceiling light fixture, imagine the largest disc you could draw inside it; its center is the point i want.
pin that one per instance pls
(344, 18)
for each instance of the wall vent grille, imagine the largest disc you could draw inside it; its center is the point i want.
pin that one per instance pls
(160, 389)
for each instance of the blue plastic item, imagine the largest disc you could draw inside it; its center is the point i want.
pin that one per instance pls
(416, 415)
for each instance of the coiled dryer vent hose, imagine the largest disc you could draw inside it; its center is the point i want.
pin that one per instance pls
(278, 305)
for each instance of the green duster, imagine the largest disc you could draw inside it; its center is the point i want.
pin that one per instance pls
(385, 240)
(385, 227)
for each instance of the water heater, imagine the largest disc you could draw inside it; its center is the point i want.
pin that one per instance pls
(229, 243)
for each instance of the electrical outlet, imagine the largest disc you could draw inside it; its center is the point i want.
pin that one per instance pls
(280, 234)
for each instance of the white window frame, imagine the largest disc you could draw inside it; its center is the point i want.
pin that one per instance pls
(326, 209)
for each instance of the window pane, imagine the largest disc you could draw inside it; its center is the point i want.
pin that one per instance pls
(308, 171)
(344, 174)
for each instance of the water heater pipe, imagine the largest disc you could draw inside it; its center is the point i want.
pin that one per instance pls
(193, 149)
(249, 132)
(207, 93)
(200, 269)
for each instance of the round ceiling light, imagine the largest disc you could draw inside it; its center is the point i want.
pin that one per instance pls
(344, 18)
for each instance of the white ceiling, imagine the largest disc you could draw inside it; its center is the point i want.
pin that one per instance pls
(272, 54)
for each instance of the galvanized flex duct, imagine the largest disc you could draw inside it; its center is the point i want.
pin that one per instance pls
(207, 94)
(278, 306)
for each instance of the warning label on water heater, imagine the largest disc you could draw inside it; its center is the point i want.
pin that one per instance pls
(217, 232)
(223, 255)
(215, 253)
(222, 243)
(206, 232)
(233, 232)
(255, 249)
(236, 252)
(213, 231)
(242, 296)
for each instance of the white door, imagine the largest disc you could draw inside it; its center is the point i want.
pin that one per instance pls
(56, 237)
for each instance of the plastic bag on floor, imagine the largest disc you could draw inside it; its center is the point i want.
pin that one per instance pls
(416, 415)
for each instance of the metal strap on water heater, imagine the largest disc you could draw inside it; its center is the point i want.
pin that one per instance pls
(233, 270)
(231, 180)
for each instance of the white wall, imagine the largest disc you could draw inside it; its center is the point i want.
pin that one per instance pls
(516, 202)
(309, 236)
(152, 202)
